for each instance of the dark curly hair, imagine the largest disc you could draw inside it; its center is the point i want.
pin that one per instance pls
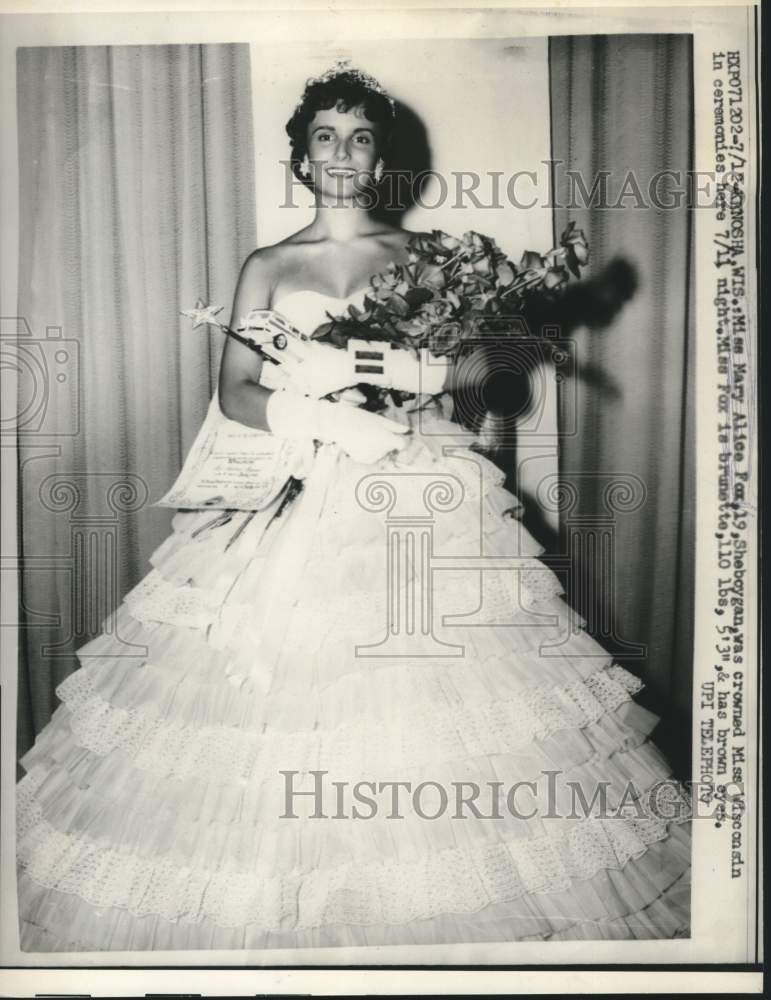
(344, 91)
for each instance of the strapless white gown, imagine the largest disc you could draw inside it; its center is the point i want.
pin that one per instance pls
(150, 816)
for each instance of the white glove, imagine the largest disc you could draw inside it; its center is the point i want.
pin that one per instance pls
(380, 363)
(313, 368)
(366, 437)
(317, 369)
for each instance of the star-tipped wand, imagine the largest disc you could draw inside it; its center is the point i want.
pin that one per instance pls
(203, 315)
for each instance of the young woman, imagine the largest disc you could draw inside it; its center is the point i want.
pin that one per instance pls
(319, 741)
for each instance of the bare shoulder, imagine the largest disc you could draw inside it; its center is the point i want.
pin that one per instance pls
(261, 261)
(270, 259)
(260, 271)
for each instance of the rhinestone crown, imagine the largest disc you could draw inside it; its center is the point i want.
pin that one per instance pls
(343, 67)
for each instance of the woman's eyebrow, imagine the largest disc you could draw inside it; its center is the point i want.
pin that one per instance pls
(331, 128)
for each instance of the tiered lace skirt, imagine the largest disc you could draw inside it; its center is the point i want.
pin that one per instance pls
(352, 642)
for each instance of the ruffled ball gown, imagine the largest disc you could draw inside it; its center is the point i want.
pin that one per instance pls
(156, 811)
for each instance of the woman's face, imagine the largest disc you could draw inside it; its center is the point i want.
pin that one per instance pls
(343, 150)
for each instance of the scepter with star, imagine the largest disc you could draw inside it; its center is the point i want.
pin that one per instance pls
(257, 328)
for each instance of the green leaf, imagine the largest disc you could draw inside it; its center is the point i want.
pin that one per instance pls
(417, 296)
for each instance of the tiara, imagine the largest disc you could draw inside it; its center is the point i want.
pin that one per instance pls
(343, 68)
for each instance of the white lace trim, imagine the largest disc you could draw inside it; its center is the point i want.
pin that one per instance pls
(504, 591)
(419, 734)
(194, 692)
(492, 665)
(156, 599)
(453, 880)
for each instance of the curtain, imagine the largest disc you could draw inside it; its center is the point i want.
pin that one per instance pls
(623, 104)
(136, 198)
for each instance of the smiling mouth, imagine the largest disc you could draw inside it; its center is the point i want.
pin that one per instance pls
(341, 171)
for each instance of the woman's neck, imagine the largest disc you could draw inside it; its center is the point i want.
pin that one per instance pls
(342, 222)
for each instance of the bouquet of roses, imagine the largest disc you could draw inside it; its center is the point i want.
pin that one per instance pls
(453, 291)
(448, 297)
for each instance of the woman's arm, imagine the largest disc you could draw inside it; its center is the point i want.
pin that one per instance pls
(366, 437)
(242, 398)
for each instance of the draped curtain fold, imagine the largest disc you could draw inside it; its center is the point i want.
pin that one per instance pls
(136, 198)
(622, 115)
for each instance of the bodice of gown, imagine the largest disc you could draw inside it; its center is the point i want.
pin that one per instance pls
(307, 309)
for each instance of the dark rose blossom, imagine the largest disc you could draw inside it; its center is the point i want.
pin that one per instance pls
(431, 276)
(450, 243)
(555, 277)
(576, 248)
(474, 242)
(445, 337)
(532, 261)
(575, 239)
(504, 273)
(483, 266)
(414, 327)
(436, 310)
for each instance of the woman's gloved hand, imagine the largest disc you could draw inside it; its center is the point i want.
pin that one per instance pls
(366, 437)
(317, 369)
(312, 367)
(380, 363)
